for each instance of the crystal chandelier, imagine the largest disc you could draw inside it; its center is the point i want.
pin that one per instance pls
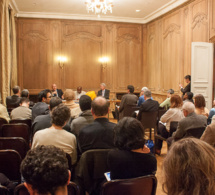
(99, 6)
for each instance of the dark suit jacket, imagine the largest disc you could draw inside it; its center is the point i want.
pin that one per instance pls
(107, 93)
(40, 108)
(98, 135)
(186, 89)
(59, 93)
(13, 101)
(148, 106)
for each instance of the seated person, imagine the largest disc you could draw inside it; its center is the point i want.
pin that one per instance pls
(23, 111)
(4, 113)
(25, 93)
(199, 102)
(79, 93)
(104, 92)
(85, 117)
(14, 100)
(56, 135)
(44, 121)
(45, 170)
(166, 103)
(188, 97)
(56, 92)
(141, 98)
(189, 168)
(99, 134)
(131, 158)
(211, 113)
(69, 96)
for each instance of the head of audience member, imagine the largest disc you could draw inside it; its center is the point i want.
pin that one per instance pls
(55, 101)
(69, 95)
(187, 78)
(24, 102)
(79, 89)
(85, 103)
(188, 96)
(54, 87)
(188, 108)
(102, 86)
(16, 90)
(60, 115)
(91, 94)
(130, 88)
(142, 90)
(25, 93)
(189, 168)
(129, 134)
(45, 170)
(45, 96)
(147, 94)
(170, 92)
(99, 107)
(199, 101)
(176, 101)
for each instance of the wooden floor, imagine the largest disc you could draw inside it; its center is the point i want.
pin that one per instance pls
(159, 164)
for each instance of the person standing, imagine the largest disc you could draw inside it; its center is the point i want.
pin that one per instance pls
(188, 87)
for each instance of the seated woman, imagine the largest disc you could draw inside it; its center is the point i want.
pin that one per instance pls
(189, 168)
(173, 114)
(131, 158)
(199, 102)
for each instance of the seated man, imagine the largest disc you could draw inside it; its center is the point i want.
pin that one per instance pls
(45, 170)
(141, 98)
(79, 93)
(85, 118)
(44, 121)
(25, 93)
(104, 92)
(56, 92)
(4, 113)
(99, 134)
(57, 136)
(13, 101)
(23, 111)
(41, 107)
(149, 105)
(166, 102)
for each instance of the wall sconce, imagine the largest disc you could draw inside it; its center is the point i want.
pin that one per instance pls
(61, 61)
(104, 61)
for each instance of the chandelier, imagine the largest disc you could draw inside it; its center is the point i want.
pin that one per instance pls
(99, 6)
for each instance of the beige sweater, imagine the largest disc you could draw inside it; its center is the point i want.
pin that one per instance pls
(4, 113)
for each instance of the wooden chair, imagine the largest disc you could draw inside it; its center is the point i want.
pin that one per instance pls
(145, 185)
(3, 190)
(195, 132)
(161, 112)
(16, 130)
(14, 143)
(10, 161)
(2, 122)
(128, 110)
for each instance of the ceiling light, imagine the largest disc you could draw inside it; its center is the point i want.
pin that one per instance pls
(99, 6)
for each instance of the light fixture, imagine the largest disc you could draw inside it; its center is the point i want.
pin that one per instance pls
(61, 60)
(103, 59)
(99, 6)
(137, 10)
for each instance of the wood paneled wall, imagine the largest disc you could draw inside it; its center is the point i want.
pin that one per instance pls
(157, 54)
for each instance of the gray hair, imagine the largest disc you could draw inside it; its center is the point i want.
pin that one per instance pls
(103, 84)
(170, 91)
(144, 89)
(189, 107)
(147, 93)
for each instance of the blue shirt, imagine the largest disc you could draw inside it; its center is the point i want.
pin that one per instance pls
(211, 113)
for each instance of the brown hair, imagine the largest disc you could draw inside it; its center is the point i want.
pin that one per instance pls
(100, 106)
(189, 168)
(176, 101)
(199, 101)
(69, 94)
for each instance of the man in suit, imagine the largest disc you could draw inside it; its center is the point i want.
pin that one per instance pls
(127, 99)
(104, 92)
(56, 92)
(149, 105)
(188, 87)
(14, 100)
(99, 134)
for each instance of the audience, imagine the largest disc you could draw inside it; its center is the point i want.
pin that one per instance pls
(23, 111)
(56, 92)
(141, 98)
(99, 134)
(41, 107)
(131, 158)
(69, 96)
(199, 102)
(188, 97)
(79, 93)
(57, 136)
(104, 92)
(45, 170)
(166, 103)
(44, 121)
(189, 168)
(149, 105)
(85, 117)
(4, 113)
(14, 100)
(25, 94)
(127, 99)
(187, 79)
(211, 113)
(173, 114)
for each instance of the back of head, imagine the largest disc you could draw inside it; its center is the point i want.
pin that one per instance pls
(85, 102)
(170, 91)
(69, 95)
(60, 115)
(176, 101)
(55, 101)
(45, 168)
(144, 89)
(24, 100)
(129, 134)
(188, 77)
(189, 168)
(16, 89)
(100, 106)
(147, 94)
(189, 107)
(189, 95)
(199, 101)
(43, 94)
(25, 93)
(130, 88)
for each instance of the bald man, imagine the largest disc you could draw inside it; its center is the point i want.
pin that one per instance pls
(99, 134)
(56, 92)
(79, 93)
